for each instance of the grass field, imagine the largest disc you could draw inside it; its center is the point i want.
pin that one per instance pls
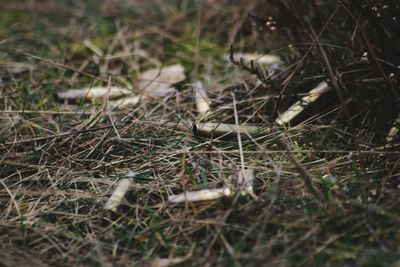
(326, 183)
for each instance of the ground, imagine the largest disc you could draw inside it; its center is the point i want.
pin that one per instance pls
(327, 182)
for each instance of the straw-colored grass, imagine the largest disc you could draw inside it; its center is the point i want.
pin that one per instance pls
(326, 181)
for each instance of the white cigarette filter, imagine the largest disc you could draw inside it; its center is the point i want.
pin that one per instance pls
(128, 101)
(244, 186)
(299, 106)
(393, 131)
(245, 182)
(218, 129)
(201, 195)
(118, 195)
(94, 93)
(157, 82)
(260, 59)
(201, 98)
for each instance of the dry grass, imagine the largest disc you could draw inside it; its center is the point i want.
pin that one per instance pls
(328, 187)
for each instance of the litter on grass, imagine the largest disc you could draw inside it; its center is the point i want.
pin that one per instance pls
(119, 193)
(201, 98)
(243, 185)
(129, 101)
(267, 60)
(219, 129)
(299, 106)
(245, 182)
(393, 131)
(166, 262)
(153, 83)
(158, 82)
(201, 195)
(93, 93)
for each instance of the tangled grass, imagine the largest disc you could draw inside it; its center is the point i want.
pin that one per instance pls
(327, 185)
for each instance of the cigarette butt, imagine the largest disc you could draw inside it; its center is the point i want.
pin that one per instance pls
(93, 93)
(218, 129)
(117, 196)
(299, 106)
(129, 101)
(393, 131)
(201, 195)
(201, 98)
(245, 182)
(259, 58)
